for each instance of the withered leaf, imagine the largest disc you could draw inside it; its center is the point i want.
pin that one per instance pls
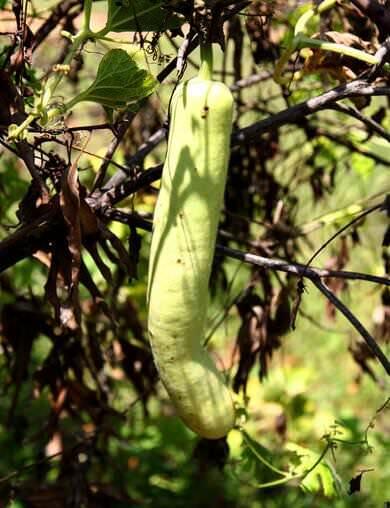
(69, 310)
(355, 483)
(251, 335)
(361, 354)
(122, 256)
(340, 67)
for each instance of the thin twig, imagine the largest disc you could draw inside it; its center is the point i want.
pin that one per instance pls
(296, 269)
(26, 153)
(370, 341)
(18, 472)
(350, 223)
(369, 122)
(119, 186)
(121, 129)
(342, 140)
(300, 287)
(295, 113)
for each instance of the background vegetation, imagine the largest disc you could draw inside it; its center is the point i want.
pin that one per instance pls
(84, 421)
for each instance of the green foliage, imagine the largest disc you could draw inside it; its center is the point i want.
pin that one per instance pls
(139, 15)
(364, 166)
(320, 478)
(119, 82)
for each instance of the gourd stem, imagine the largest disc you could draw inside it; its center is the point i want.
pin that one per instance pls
(206, 59)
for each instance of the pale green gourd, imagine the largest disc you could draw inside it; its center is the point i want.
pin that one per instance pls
(183, 242)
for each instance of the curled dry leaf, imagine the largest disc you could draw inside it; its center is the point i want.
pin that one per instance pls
(66, 257)
(250, 337)
(339, 66)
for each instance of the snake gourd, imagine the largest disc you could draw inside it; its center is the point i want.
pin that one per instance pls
(183, 242)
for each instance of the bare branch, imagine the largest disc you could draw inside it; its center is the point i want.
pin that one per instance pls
(368, 122)
(370, 341)
(26, 153)
(121, 129)
(60, 11)
(119, 185)
(29, 238)
(378, 13)
(298, 269)
(356, 88)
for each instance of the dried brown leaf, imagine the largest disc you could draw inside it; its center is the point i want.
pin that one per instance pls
(66, 258)
(251, 335)
(340, 67)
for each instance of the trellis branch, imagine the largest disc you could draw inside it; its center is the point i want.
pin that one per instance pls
(293, 114)
(298, 269)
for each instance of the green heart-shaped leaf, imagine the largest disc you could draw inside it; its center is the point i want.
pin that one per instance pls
(118, 83)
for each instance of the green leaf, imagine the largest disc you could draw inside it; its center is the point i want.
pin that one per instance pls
(258, 459)
(118, 83)
(16, 504)
(364, 166)
(321, 478)
(139, 15)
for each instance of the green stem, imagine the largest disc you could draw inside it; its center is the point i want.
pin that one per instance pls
(84, 34)
(87, 16)
(300, 26)
(69, 105)
(206, 59)
(259, 457)
(15, 133)
(116, 41)
(275, 483)
(307, 42)
(325, 5)
(288, 477)
(299, 30)
(281, 64)
(56, 79)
